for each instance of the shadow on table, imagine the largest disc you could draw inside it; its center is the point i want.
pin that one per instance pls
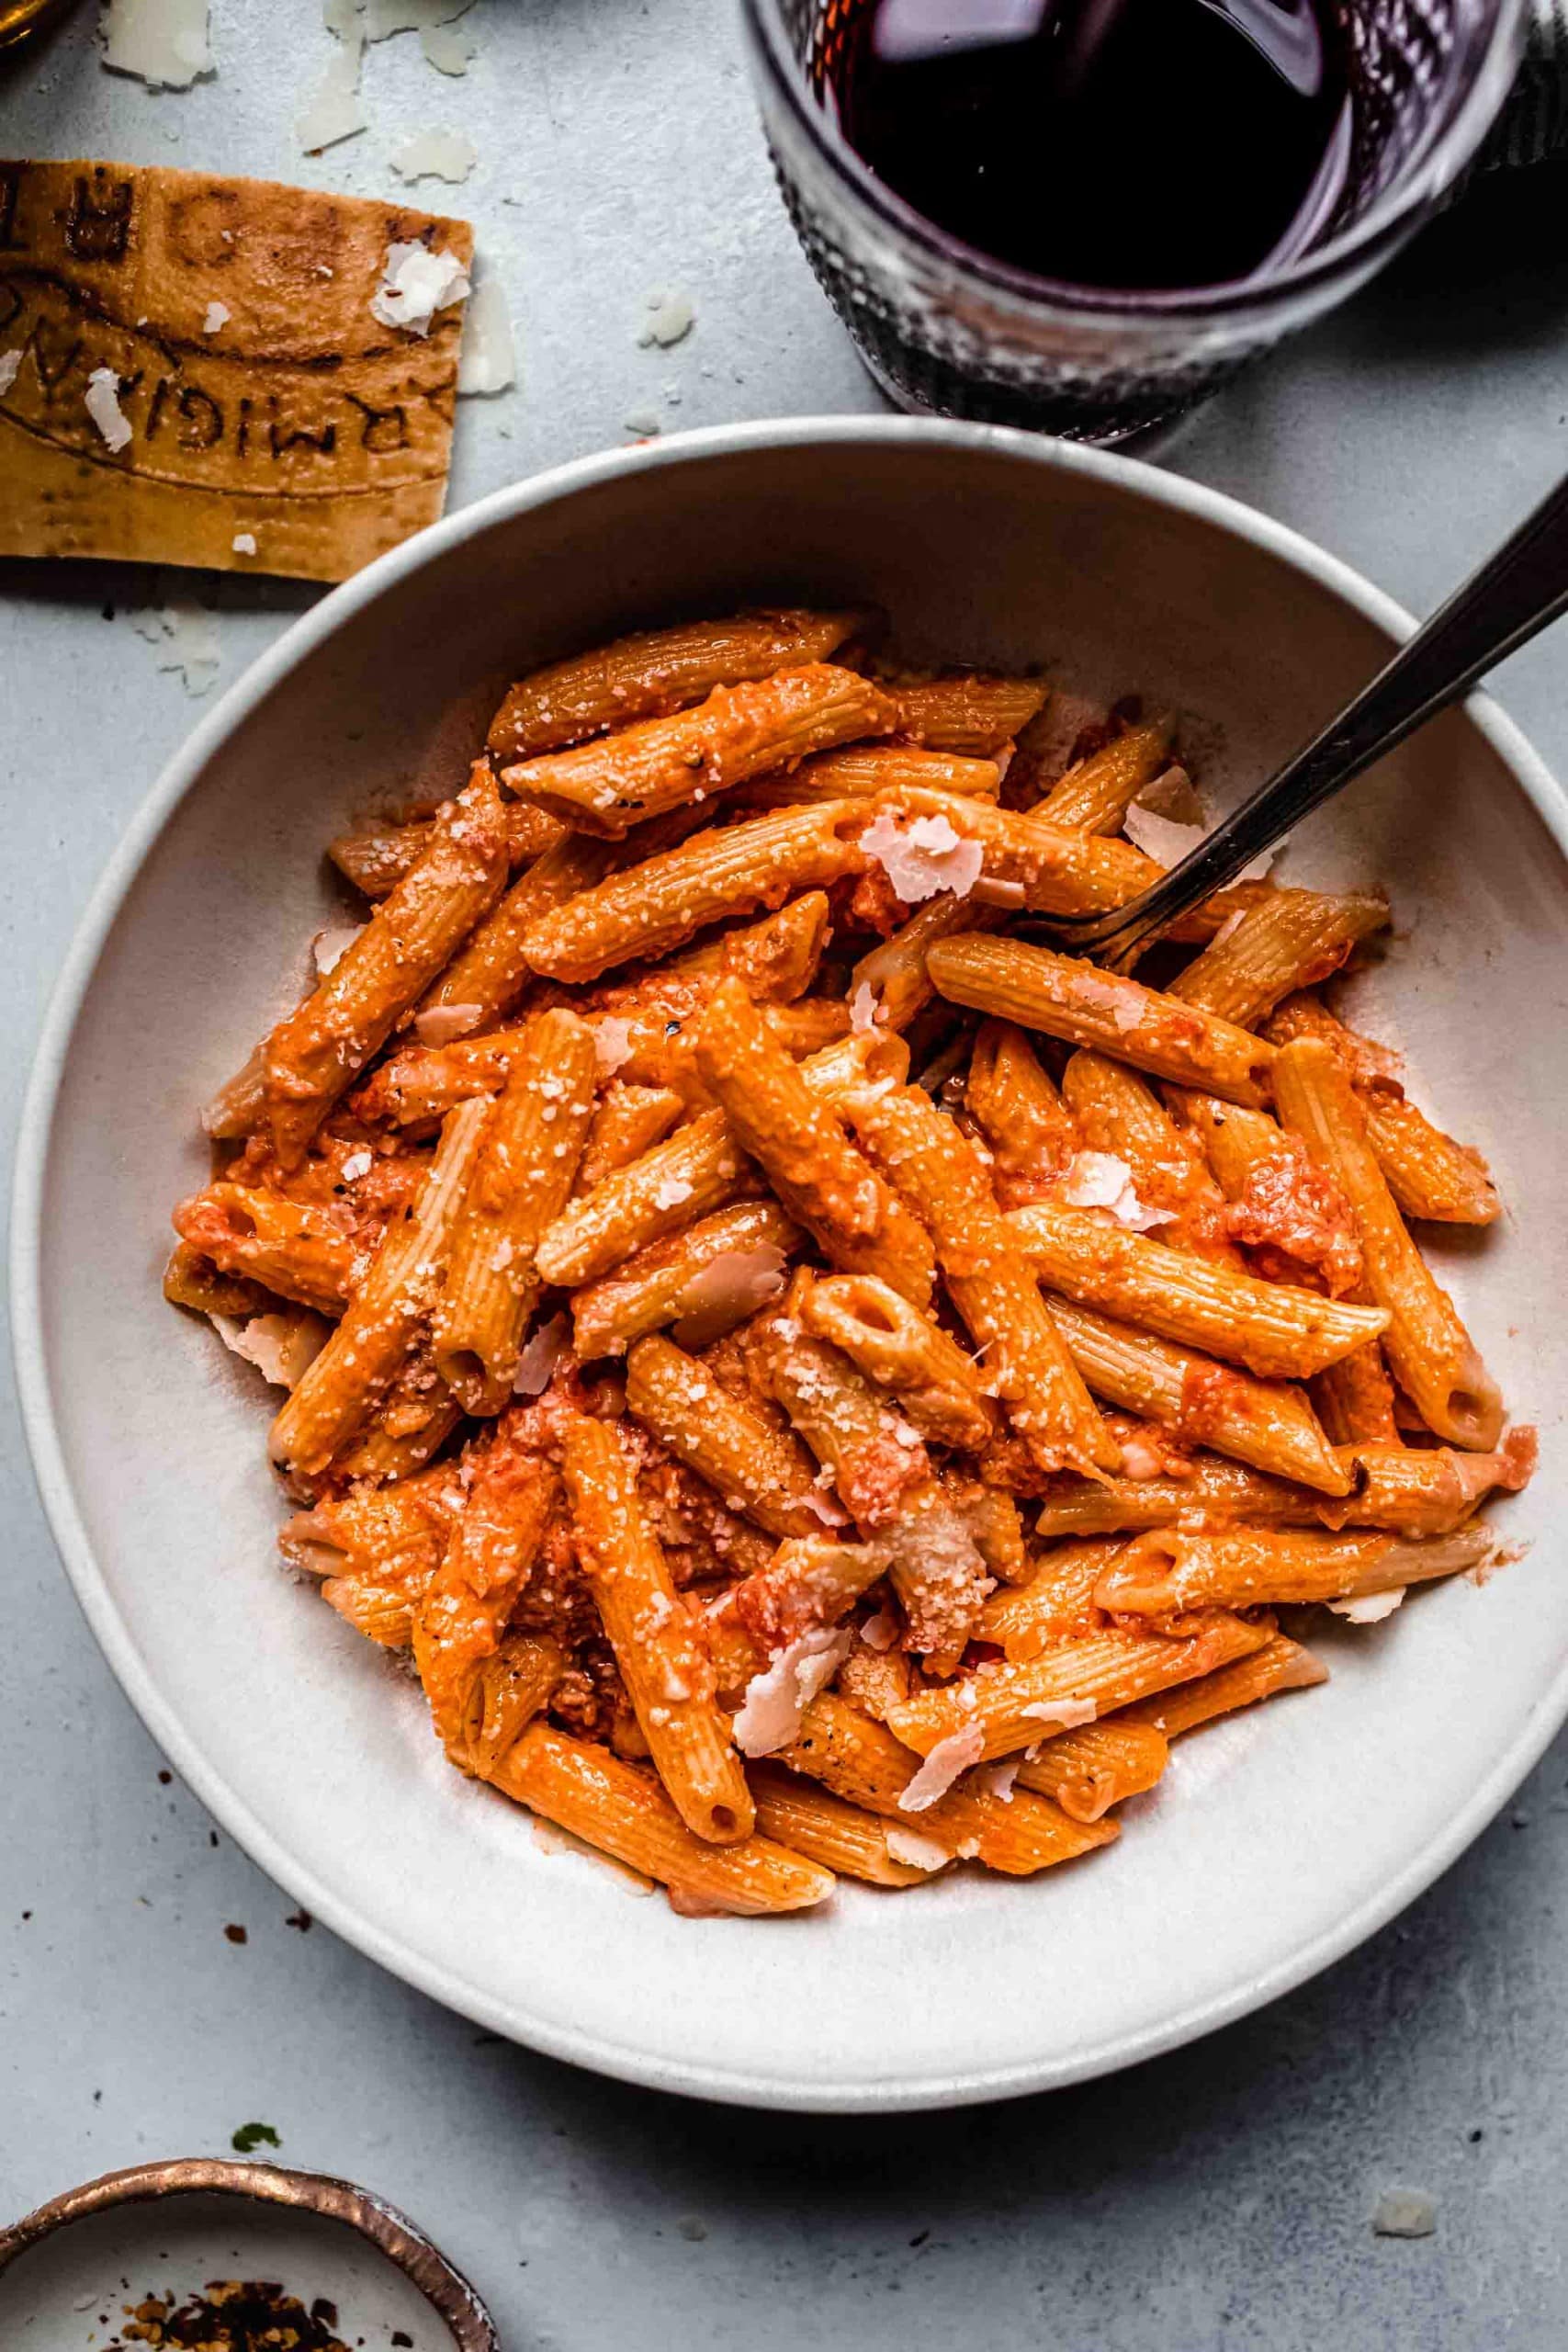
(1492, 270)
(1345, 2048)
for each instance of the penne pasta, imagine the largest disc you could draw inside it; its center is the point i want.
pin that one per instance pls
(623, 1810)
(861, 1761)
(376, 854)
(1107, 1010)
(521, 1181)
(759, 1470)
(463, 1613)
(620, 780)
(1274, 1330)
(1055, 1606)
(1161, 1574)
(1097, 1765)
(668, 1673)
(1268, 1424)
(629, 1120)
(382, 1320)
(291, 1247)
(967, 713)
(810, 1582)
(489, 973)
(1428, 1347)
(845, 1839)
(1029, 863)
(1014, 1704)
(648, 908)
(658, 670)
(1095, 793)
(805, 1150)
(1429, 1175)
(892, 1343)
(704, 1280)
(1029, 1130)
(1117, 1112)
(895, 973)
(1028, 1365)
(862, 771)
(1279, 1664)
(314, 1055)
(876, 1459)
(1291, 939)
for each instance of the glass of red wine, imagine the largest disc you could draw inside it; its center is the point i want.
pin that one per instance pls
(1081, 216)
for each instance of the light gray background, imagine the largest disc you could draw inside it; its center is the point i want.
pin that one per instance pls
(1222, 2196)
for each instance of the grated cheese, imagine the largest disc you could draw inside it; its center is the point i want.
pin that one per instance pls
(162, 42)
(612, 1042)
(102, 399)
(1370, 1608)
(1099, 1180)
(281, 1346)
(919, 1853)
(437, 155)
(924, 859)
(1064, 1714)
(415, 284)
(536, 1365)
(357, 1164)
(775, 1700)
(487, 358)
(440, 1024)
(947, 1759)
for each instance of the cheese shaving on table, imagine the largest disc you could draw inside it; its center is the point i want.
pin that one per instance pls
(10, 361)
(947, 1759)
(336, 111)
(1066, 1714)
(918, 1853)
(439, 1023)
(487, 358)
(535, 1365)
(186, 641)
(737, 1281)
(1098, 1180)
(924, 858)
(415, 284)
(160, 43)
(669, 317)
(280, 1346)
(435, 155)
(775, 1700)
(330, 947)
(1370, 1608)
(102, 398)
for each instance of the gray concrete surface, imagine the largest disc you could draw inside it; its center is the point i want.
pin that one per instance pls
(1222, 2196)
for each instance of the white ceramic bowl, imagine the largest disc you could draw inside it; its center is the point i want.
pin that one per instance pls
(1279, 1840)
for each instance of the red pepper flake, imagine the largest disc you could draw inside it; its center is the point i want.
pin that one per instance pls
(232, 2315)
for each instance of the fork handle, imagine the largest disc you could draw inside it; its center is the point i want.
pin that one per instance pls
(1513, 594)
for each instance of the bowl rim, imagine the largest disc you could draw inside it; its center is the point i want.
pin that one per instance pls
(385, 2226)
(624, 2059)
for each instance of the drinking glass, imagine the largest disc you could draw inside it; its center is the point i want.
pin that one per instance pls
(948, 330)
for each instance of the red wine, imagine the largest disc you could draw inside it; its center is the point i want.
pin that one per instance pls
(1116, 143)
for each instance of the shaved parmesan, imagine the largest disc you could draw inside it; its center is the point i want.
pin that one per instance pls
(330, 947)
(644, 421)
(1165, 838)
(1098, 1180)
(357, 1164)
(1063, 1715)
(612, 1041)
(1140, 1459)
(10, 361)
(864, 1007)
(536, 1365)
(669, 317)
(280, 1346)
(415, 284)
(437, 155)
(996, 1780)
(736, 1283)
(440, 1024)
(103, 406)
(160, 43)
(879, 1633)
(218, 315)
(336, 111)
(487, 358)
(924, 858)
(671, 1191)
(1173, 794)
(947, 1759)
(776, 1699)
(919, 1853)
(1370, 1608)
(244, 543)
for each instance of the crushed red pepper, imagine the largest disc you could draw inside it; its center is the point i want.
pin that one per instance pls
(231, 2315)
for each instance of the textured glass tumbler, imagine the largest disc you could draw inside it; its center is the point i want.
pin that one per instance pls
(948, 332)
